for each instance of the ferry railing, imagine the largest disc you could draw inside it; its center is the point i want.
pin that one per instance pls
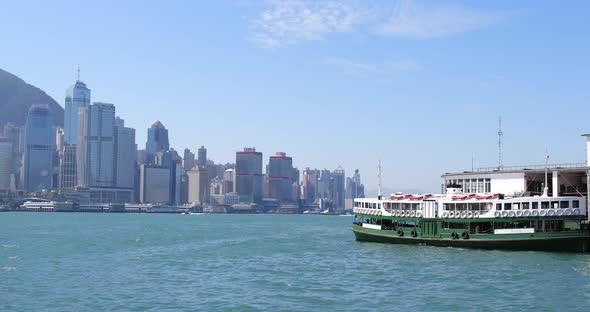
(531, 167)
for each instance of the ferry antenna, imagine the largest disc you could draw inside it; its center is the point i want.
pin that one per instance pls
(500, 136)
(379, 177)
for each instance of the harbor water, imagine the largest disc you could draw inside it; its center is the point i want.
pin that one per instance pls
(149, 262)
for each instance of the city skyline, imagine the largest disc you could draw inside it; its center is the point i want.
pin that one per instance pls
(348, 92)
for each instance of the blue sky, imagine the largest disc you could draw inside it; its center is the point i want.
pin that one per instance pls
(417, 84)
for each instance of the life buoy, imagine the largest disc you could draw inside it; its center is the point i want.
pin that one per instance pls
(577, 211)
(497, 214)
(445, 214)
(511, 214)
(543, 213)
(550, 212)
(476, 214)
(454, 235)
(463, 214)
(568, 211)
(400, 232)
(414, 233)
(504, 214)
(519, 213)
(451, 214)
(526, 213)
(535, 213)
(464, 235)
(469, 214)
(412, 214)
(418, 214)
(559, 212)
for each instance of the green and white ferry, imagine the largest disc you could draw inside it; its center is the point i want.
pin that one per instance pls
(490, 221)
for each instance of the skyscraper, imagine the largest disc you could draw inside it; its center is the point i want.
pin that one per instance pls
(337, 188)
(77, 96)
(249, 174)
(68, 179)
(202, 158)
(38, 162)
(188, 159)
(280, 174)
(96, 148)
(157, 139)
(198, 185)
(154, 184)
(124, 155)
(16, 135)
(5, 163)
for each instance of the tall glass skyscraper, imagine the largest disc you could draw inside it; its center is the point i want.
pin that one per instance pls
(77, 95)
(249, 174)
(95, 152)
(38, 153)
(157, 139)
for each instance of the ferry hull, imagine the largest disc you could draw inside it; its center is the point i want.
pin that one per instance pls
(565, 244)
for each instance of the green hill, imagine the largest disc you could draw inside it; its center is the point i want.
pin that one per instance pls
(16, 96)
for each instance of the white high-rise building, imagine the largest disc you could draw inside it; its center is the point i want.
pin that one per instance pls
(124, 155)
(96, 148)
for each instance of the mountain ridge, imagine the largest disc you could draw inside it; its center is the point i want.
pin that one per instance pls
(17, 96)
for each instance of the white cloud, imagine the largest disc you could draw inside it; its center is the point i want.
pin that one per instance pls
(409, 20)
(285, 22)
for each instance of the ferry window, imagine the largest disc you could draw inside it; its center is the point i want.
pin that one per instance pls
(545, 205)
(415, 206)
(554, 204)
(564, 204)
(525, 206)
(516, 206)
(507, 206)
(379, 206)
(535, 205)
(406, 206)
(488, 185)
(395, 205)
(498, 206)
(473, 206)
(462, 206)
(575, 204)
(480, 188)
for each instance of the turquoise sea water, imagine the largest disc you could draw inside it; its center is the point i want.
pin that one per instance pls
(143, 262)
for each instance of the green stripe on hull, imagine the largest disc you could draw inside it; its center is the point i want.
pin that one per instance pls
(569, 242)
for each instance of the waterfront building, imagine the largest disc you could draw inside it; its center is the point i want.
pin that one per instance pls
(38, 154)
(68, 179)
(249, 174)
(309, 184)
(77, 96)
(216, 187)
(16, 135)
(157, 139)
(198, 185)
(225, 200)
(202, 158)
(280, 174)
(124, 155)
(563, 179)
(354, 189)
(184, 189)
(188, 159)
(323, 184)
(337, 188)
(229, 180)
(59, 139)
(95, 154)
(154, 184)
(5, 163)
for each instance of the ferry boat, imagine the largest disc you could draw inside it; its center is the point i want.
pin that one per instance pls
(489, 221)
